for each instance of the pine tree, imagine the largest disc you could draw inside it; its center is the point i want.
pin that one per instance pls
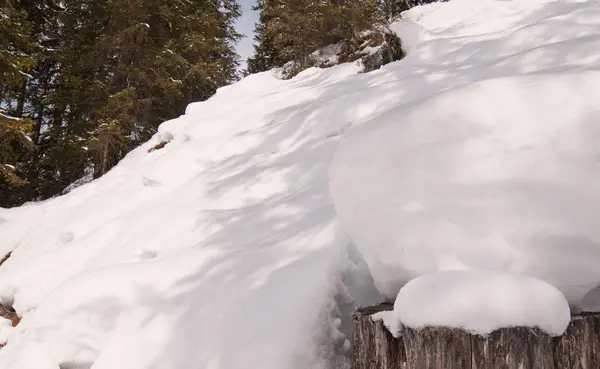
(86, 81)
(15, 147)
(45, 34)
(392, 8)
(293, 30)
(161, 57)
(15, 44)
(265, 53)
(287, 31)
(64, 93)
(16, 59)
(108, 144)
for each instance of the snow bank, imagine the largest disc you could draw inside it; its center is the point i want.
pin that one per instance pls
(498, 169)
(412, 34)
(5, 329)
(479, 302)
(222, 250)
(501, 174)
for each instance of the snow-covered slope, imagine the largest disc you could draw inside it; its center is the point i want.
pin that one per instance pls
(497, 165)
(223, 250)
(219, 251)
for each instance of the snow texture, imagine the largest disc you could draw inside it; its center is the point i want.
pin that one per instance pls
(223, 250)
(479, 302)
(498, 168)
(86, 178)
(5, 329)
(328, 55)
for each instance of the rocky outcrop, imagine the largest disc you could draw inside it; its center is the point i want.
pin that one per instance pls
(7, 312)
(388, 51)
(371, 49)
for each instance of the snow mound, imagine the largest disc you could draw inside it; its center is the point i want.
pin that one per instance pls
(498, 172)
(501, 174)
(412, 34)
(5, 329)
(479, 302)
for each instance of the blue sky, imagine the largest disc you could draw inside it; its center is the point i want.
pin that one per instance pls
(245, 25)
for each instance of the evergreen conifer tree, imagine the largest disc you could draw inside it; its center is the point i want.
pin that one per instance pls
(294, 29)
(86, 81)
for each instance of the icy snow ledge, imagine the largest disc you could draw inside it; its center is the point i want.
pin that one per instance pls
(479, 302)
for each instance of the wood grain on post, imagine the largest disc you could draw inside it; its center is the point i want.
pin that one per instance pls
(453, 348)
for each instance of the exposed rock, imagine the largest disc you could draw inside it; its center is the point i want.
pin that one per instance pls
(5, 258)
(372, 49)
(388, 51)
(8, 312)
(158, 146)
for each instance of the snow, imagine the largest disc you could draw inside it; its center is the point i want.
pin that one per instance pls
(492, 161)
(591, 301)
(224, 249)
(220, 250)
(5, 329)
(86, 178)
(513, 189)
(328, 55)
(479, 302)
(8, 117)
(412, 34)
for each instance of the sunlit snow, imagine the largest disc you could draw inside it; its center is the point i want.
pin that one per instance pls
(224, 250)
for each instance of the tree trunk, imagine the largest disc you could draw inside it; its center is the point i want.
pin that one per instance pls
(452, 348)
(34, 163)
(21, 99)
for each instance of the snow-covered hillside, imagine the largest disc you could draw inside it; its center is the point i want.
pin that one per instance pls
(224, 250)
(498, 166)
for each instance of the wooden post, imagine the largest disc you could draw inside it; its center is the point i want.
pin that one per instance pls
(452, 348)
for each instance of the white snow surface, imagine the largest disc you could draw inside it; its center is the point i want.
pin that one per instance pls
(491, 161)
(223, 250)
(479, 302)
(5, 329)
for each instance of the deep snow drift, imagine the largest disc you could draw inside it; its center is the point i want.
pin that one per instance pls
(479, 302)
(499, 169)
(223, 250)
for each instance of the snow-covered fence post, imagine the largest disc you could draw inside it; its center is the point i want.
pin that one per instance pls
(374, 345)
(452, 348)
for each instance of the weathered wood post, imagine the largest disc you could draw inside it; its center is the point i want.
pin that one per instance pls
(452, 348)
